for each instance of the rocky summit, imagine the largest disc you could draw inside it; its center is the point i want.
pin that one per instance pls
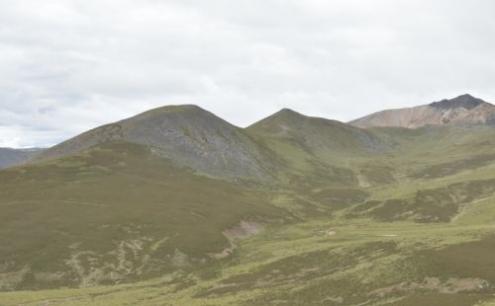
(463, 110)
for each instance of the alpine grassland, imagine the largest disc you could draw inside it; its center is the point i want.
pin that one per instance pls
(178, 207)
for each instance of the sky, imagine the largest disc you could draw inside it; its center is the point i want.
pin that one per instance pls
(70, 65)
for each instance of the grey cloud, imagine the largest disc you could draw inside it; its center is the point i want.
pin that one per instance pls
(69, 65)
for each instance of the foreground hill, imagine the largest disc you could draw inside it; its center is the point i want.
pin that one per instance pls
(11, 157)
(463, 110)
(114, 213)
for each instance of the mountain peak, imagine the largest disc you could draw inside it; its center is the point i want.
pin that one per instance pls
(178, 108)
(182, 109)
(465, 101)
(287, 112)
(283, 119)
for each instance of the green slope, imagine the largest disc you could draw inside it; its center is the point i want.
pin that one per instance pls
(317, 152)
(115, 213)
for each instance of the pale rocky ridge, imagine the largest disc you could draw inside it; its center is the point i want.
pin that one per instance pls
(463, 110)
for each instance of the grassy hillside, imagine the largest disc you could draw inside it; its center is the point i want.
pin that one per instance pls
(384, 216)
(320, 263)
(316, 152)
(114, 213)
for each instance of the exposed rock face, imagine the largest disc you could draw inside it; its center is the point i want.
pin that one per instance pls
(466, 101)
(11, 157)
(463, 110)
(186, 134)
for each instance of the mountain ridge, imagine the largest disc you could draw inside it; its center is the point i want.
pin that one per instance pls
(462, 110)
(196, 138)
(12, 157)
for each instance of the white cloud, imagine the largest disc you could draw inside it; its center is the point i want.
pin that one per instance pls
(69, 65)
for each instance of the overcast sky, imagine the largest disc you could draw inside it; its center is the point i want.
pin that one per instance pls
(67, 66)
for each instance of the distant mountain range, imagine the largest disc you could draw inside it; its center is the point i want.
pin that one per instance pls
(11, 157)
(197, 138)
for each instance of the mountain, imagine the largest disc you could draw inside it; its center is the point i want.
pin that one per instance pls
(317, 134)
(317, 151)
(187, 134)
(175, 206)
(11, 157)
(463, 110)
